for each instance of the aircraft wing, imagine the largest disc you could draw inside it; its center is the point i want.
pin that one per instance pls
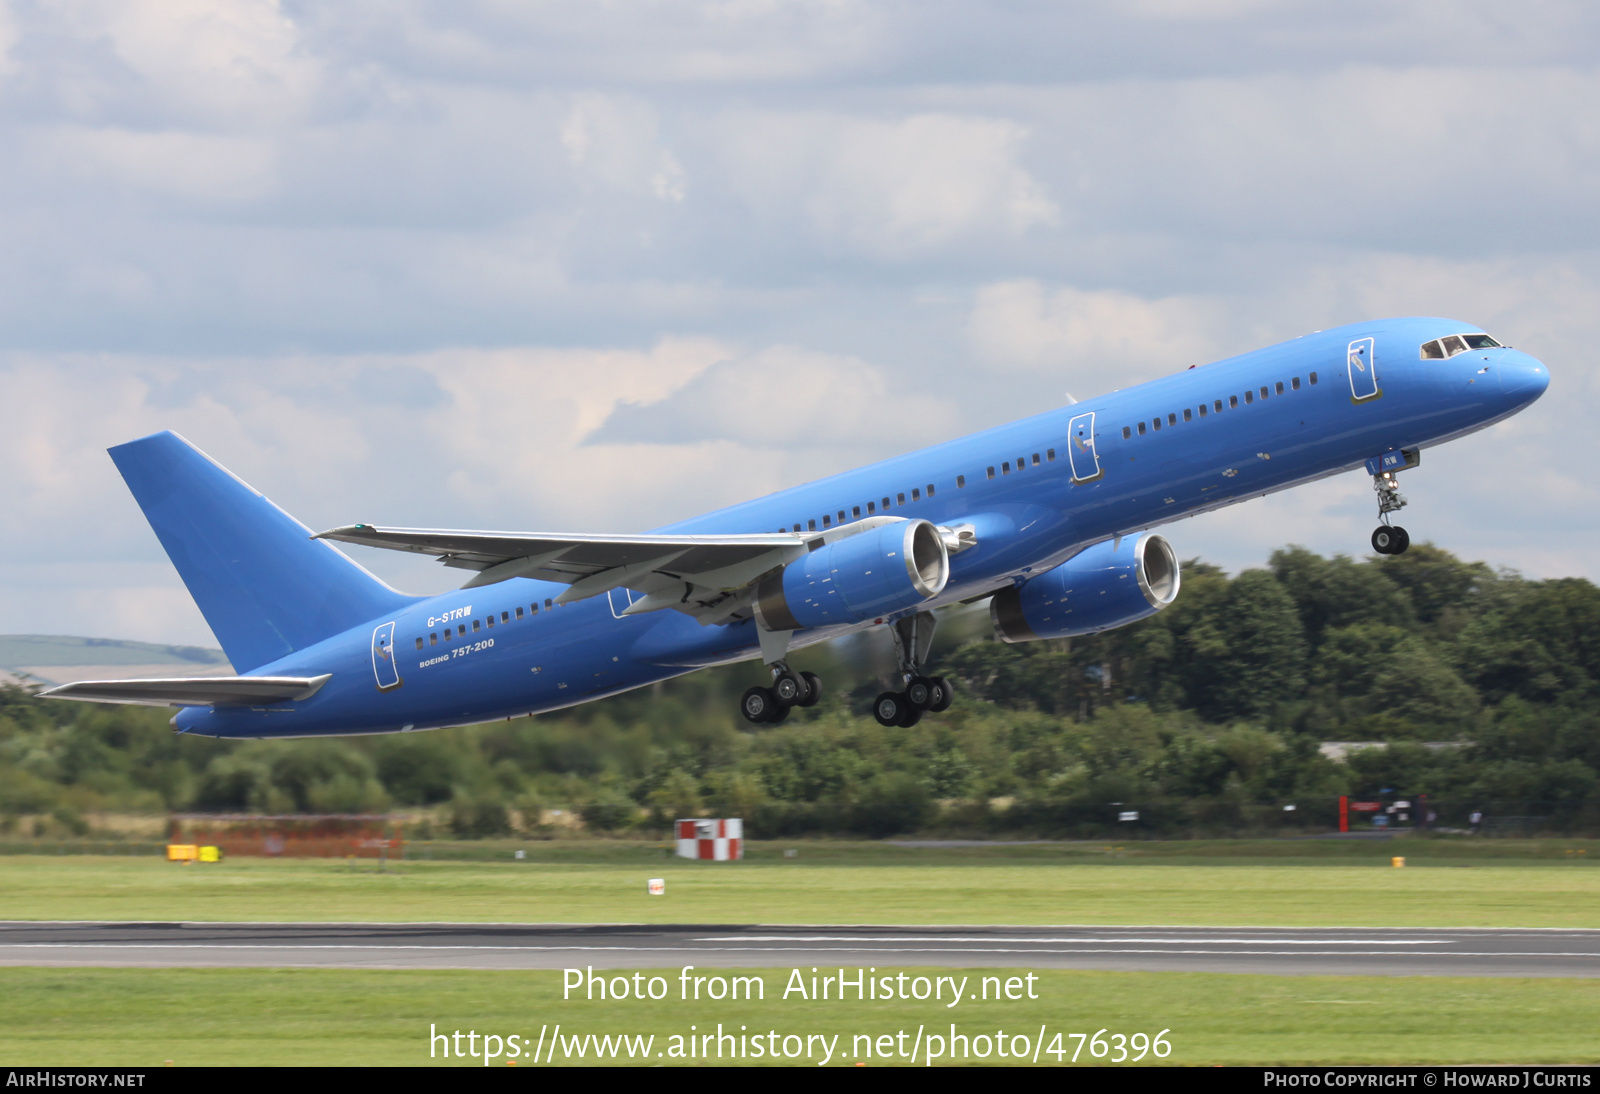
(193, 691)
(698, 574)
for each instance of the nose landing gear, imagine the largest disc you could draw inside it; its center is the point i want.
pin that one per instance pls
(1389, 539)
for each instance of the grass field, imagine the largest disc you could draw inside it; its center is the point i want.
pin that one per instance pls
(144, 1017)
(1286, 883)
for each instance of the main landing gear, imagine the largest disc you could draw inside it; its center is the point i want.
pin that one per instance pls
(771, 705)
(1389, 539)
(913, 637)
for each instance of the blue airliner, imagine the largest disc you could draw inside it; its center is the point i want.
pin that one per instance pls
(1048, 517)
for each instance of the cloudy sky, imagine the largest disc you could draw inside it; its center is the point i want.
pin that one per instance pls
(601, 265)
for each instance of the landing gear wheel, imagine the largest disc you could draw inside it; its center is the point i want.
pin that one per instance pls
(788, 688)
(889, 708)
(1384, 539)
(911, 717)
(1402, 541)
(813, 689)
(759, 705)
(919, 693)
(943, 695)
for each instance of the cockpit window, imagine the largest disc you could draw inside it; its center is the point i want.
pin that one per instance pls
(1450, 345)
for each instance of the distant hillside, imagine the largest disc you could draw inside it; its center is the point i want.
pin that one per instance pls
(24, 650)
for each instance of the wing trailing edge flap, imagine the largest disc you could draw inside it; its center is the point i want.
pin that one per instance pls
(193, 691)
(706, 576)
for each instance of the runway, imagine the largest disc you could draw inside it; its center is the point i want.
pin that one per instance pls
(1278, 951)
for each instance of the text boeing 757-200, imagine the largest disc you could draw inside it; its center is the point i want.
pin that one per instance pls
(1049, 516)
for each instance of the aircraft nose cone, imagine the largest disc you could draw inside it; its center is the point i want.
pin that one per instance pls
(1522, 378)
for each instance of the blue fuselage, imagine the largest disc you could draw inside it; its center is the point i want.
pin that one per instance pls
(1036, 491)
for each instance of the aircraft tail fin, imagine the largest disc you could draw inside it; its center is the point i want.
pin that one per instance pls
(263, 584)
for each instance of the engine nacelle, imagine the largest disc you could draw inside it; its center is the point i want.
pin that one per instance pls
(872, 573)
(1109, 585)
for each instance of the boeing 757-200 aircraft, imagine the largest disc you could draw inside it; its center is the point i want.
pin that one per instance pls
(1048, 517)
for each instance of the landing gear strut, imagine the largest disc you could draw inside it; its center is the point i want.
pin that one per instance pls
(913, 636)
(1389, 539)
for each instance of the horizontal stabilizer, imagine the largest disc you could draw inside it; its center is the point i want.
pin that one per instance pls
(193, 691)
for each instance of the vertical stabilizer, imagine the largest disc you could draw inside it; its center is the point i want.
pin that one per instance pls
(264, 585)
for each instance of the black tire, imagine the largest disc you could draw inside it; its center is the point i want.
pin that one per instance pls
(1402, 541)
(1384, 539)
(813, 689)
(779, 713)
(788, 688)
(911, 717)
(919, 693)
(889, 708)
(944, 695)
(758, 705)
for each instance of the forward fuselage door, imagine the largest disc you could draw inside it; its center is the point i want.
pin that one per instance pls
(384, 666)
(1081, 453)
(1363, 367)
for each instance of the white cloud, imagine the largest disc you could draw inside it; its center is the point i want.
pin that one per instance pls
(203, 169)
(887, 189)
(1114, 337)
(209, 59)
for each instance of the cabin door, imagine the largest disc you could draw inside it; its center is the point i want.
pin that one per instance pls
(383, 660)
(1080, 449)
(1363, 367)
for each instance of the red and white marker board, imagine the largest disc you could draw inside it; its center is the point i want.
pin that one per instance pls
(716, 840)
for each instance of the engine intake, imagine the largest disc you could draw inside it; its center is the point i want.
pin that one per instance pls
(1109, 585)
(872, 573)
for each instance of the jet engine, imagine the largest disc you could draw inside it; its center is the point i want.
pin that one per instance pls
(1109, 585)
(875, 572)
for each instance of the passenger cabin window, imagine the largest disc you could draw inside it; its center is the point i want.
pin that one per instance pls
(1155, 422)
(1249, 396)
(505, 617)
(1127, 431)
(872, 507)
(1295, 383)
(1218, 406)
(419, 643)
(1005, 468)
(462, 629)
(1233, 402)
(841, 516)
(1141, 429)
(961, 482)
(433, 639)
(991, 472)
(1264, 393)
(796, 527)
(1188, 415)
(826, 520)
(1036, 459)
(1022, 461)
(476, 625)
(519, 611)
(1313, 378)
(855, 510)
(885, 503)
(1279, 387)
(547, 605)
(930, 490)
(1050, 455)
(1202, 410)
(491, 622)
(1172, 419)
(811, 526)
(915, 493)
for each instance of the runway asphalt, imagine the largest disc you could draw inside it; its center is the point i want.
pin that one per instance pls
(1280, 951)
